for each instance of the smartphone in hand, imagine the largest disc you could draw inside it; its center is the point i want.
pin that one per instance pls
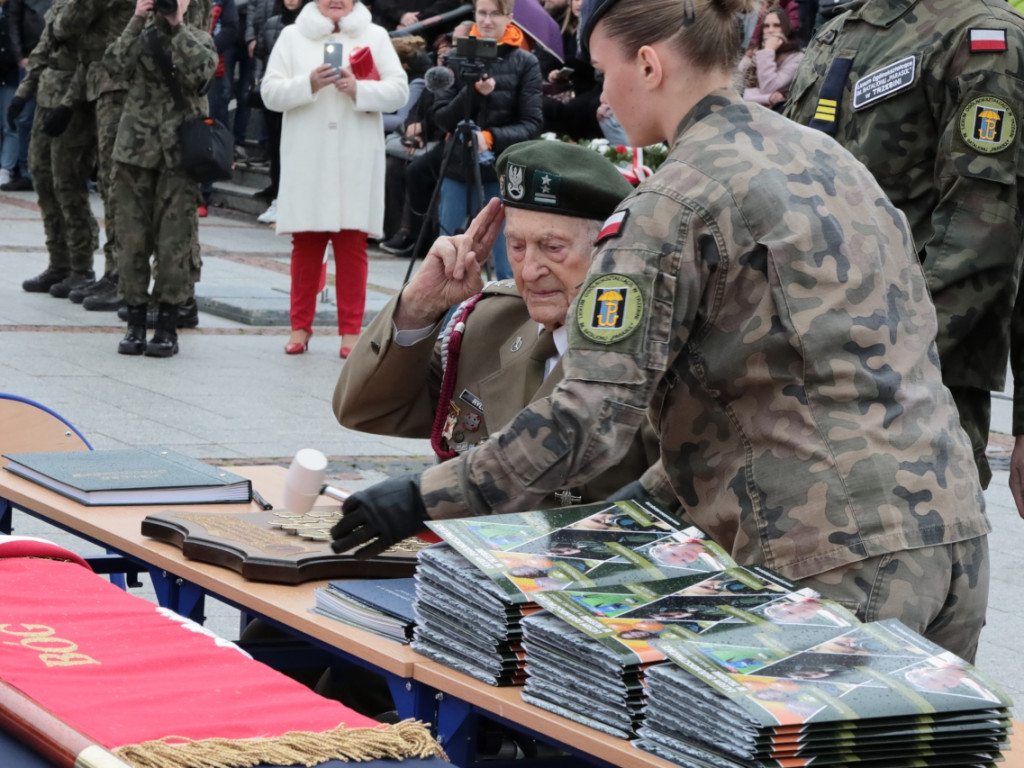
(332, 55)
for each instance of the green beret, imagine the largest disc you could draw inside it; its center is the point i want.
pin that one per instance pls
(560, 178)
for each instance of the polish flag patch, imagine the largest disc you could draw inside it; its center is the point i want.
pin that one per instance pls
(988, 40)
(612, 226)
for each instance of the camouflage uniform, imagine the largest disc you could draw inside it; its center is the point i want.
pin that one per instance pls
(389, 389)
(931, 105)
(154, 199)
(761, 299)
(91, 26)
(61, 165)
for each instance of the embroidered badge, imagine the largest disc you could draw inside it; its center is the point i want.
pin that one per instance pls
(884, 82)
(472, 422)
(516, 186)
(610, 310)
(545, 187)
(612, 226)
(988, 125)
(988, 40)
(473, 400)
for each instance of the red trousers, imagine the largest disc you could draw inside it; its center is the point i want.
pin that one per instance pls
(350, 277)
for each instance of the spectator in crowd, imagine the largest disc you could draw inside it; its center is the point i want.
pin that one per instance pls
(8, 85)
(25, 25)
(504, 105)
(398, 14)
(771, 61)
(284, 13)
(572, 94)
(156, 201)
(332, 155)
(224, 30)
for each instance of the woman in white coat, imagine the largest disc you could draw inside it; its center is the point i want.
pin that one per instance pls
(332, 155)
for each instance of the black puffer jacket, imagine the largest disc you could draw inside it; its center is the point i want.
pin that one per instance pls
(512, 112)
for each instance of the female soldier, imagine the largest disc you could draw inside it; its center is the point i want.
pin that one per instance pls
(760, 297)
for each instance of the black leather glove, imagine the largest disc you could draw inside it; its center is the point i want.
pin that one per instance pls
(633, 491)
(13, 110)
(382, 515)
(57, 121)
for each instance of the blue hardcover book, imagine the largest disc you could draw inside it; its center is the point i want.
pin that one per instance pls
(382, 606)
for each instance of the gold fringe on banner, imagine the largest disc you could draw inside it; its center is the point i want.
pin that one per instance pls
(409, 738)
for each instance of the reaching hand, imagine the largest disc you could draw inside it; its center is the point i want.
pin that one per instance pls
(380, 517)
(451, 270)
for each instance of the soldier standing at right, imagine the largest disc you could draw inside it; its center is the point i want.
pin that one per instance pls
(929, 95)
(62, 154)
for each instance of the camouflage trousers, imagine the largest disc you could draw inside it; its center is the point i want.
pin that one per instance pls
(108, 114)
(939, 592)
(975, 407)
(60, 168)
(156, 215)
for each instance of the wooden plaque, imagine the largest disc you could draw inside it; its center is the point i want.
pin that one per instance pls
(252, 544)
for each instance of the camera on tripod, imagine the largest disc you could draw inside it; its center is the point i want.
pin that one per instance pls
(469, 61)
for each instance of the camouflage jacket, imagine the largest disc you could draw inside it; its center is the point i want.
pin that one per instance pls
(762, 300)
(388, 389)
(147, 135)
(932, 105)
(51, 65)
(91, 26)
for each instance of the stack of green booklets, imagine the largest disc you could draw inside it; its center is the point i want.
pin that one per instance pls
(803, 693)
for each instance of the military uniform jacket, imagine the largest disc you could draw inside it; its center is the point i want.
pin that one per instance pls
(761, 299)
(388, 389)
(92, 25)
(147, 135)
(932, 105)
(51, 65)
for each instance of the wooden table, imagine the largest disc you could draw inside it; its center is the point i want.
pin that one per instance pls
(424, 689)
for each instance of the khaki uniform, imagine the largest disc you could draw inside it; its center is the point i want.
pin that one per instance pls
(61, 165)
(154, 199)
(763, 303)
(932, 104)
(91, 26)
(387, 389)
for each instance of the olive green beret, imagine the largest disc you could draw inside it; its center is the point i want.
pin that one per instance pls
(560, 178)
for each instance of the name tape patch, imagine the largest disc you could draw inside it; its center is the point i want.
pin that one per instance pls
(883, 82)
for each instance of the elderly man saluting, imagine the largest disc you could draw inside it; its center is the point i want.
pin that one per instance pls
(502, 348)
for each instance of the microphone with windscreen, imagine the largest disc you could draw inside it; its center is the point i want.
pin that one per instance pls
(438, 79)
(305, 481)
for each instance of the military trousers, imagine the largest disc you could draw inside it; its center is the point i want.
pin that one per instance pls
(156, 214)
(975, 407)
(60, 168)
(939, 592)
(108, 109)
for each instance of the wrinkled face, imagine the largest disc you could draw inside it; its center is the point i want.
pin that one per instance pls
(623, 88)
(490, 20)
(550, 255)
(335, 9)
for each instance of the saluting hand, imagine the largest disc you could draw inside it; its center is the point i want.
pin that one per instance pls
(451, 271)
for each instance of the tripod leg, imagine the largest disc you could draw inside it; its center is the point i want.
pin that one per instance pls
(418, 250)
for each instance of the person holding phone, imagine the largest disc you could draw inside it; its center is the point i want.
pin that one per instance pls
(332, 154)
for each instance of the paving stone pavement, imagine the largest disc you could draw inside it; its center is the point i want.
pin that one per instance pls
(231, 396)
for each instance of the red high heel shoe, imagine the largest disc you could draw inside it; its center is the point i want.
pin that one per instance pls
(345, 352)
(298, 347)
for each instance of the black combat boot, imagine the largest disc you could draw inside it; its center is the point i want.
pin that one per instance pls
(134, 341)
(165, 339)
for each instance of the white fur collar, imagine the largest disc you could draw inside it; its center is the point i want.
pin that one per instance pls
(314, 25)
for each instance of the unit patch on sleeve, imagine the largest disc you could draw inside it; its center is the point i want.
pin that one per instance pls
(988, 125)
(612, 226)
(988, 40)
(610, 309)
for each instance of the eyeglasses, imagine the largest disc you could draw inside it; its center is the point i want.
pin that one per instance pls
(483, 15)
